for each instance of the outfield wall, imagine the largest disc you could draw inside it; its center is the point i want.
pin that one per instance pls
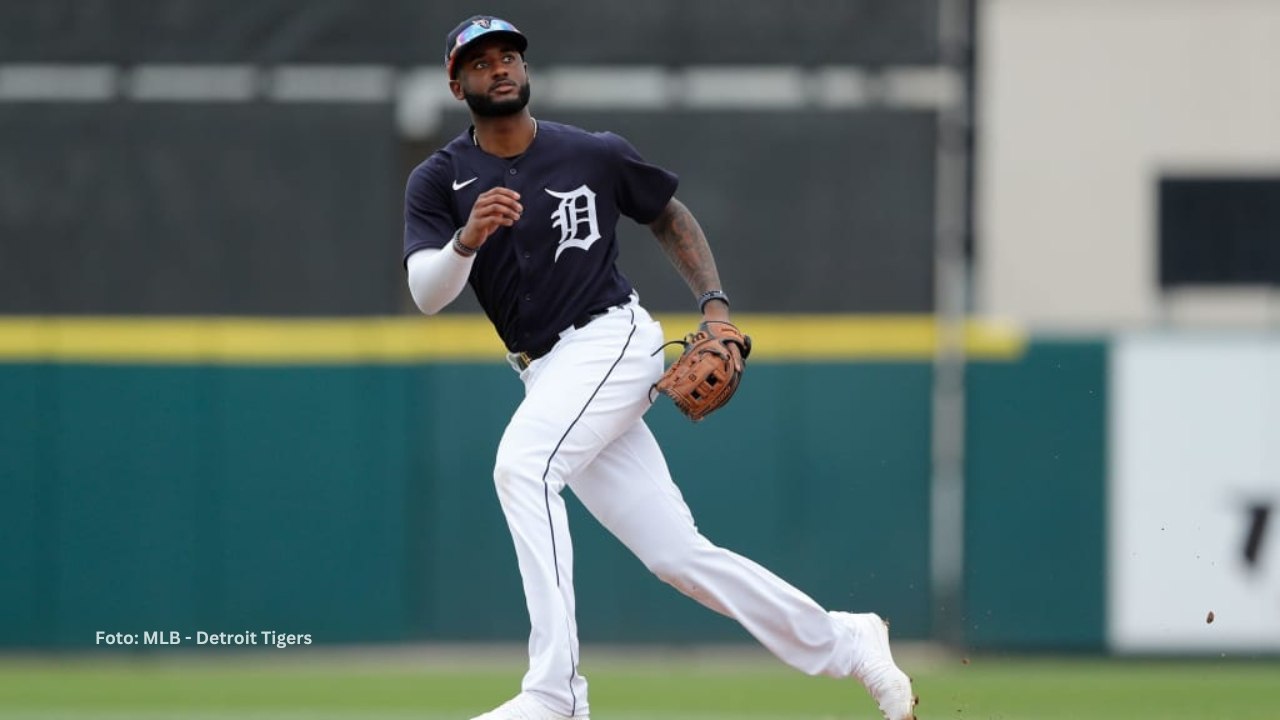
(255, 474)
(333, 478)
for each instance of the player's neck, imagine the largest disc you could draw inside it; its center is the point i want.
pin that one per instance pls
(505, 136)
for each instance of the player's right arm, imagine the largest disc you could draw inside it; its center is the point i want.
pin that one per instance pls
(436, 278)
(438, 258)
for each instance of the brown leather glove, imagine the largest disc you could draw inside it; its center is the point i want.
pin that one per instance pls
(707, 373)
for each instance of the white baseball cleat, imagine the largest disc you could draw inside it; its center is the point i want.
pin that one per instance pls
(887, 684)
(524, 707)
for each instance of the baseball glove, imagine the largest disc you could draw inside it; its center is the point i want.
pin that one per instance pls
(708, 371)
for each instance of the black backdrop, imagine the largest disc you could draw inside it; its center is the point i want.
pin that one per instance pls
(411, 32)
(264, 207)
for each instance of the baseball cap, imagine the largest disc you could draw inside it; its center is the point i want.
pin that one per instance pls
(474, 28)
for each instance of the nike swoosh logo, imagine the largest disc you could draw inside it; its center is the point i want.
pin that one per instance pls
(459, 185)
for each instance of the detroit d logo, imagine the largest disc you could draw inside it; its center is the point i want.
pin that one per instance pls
(576, 218)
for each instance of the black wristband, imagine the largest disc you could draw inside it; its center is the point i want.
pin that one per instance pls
(710, 295)
(461, 249)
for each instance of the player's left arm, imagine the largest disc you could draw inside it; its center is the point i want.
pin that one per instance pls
(685, 245)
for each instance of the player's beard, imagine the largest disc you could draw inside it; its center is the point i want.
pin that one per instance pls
(482, 106)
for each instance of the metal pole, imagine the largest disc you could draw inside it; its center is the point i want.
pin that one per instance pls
(951, 267)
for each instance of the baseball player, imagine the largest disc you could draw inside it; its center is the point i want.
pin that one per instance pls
(525, 211)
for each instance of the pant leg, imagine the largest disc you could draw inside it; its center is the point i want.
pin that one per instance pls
(628, 488)
(579, 398)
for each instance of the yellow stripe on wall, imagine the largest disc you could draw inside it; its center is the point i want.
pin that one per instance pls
(860, 337)
(287, 341)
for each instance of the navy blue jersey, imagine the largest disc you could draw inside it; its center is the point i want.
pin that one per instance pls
(557, 263)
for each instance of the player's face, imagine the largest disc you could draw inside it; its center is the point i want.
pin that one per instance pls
(493, 79)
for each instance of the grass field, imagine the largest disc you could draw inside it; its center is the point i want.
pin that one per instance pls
(676, 686)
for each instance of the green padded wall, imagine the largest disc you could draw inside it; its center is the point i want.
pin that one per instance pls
(1036, 499)
(356, 503)
(189, 498)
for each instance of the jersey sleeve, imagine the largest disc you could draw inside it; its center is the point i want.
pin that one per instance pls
(643, 190)
(428, 214)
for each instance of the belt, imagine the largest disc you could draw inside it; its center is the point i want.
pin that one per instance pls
(526, 358)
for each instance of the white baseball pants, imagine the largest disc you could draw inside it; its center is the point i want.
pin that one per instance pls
(581, 425)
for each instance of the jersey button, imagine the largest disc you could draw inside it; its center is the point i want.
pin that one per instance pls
(527, 255)
(527, 298)
(514, 171)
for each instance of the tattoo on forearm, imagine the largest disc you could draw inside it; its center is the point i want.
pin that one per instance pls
(686, 247)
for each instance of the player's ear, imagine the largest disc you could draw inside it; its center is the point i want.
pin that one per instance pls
(455, 87)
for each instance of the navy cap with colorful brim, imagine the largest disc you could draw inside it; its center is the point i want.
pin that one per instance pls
(474, 28)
